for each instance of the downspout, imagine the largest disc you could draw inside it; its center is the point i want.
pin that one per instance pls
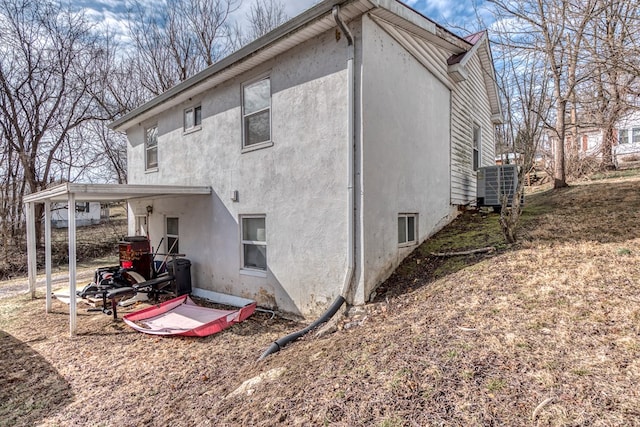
(349, 275)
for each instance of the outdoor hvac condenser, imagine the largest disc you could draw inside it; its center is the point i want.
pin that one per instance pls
(494, 182)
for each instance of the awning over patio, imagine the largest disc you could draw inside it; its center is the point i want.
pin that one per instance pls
(70, 193)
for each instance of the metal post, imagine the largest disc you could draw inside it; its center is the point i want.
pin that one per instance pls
(31, 248)
(47, 252)
(71, 214)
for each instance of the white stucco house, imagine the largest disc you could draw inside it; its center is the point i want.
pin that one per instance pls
(332, 147)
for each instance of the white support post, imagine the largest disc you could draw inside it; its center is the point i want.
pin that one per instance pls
(71, 214)
(47, 252)
(31, 248)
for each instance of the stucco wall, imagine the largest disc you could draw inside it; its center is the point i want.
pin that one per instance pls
(406, 134)
(299, 183)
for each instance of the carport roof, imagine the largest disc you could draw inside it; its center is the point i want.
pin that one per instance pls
(112, 192)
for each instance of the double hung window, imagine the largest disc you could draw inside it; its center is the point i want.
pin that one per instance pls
(172, 236)
(254, 242)
(151, 148)
(256, 113)
(477, 141)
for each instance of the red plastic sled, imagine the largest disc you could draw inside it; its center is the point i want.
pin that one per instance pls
(182, 316)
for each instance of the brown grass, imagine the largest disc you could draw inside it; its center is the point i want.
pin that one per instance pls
(544, 333)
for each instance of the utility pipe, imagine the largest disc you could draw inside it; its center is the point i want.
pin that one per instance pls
(349, 275)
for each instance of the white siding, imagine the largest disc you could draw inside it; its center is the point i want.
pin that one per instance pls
(470, 104)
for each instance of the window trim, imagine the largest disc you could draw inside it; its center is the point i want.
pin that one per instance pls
(476, 146)
(196, 126)
(262, 144)
(252, 271)
(627, 138)
(406, 215)
(148, 168)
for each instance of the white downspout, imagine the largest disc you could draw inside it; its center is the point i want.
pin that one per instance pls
(47, 252)
(350, 273)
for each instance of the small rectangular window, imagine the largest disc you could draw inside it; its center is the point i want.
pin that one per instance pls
(254, 243)
(256, 113)
(82, 206)
(623, 136)
(193, 118)
(151, 148)
(477, 142)
(172, 236)
(635, 135)
(407, 229)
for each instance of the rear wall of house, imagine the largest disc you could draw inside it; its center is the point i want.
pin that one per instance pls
(406, 153)
(299, 183)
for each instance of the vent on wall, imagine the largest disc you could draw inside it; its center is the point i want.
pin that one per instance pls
(494, 182)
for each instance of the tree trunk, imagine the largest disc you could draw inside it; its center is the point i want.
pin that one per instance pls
(559, 176)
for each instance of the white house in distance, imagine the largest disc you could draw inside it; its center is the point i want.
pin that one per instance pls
(87, 213)
(332, 147)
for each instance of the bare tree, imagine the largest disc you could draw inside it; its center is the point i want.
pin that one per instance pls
(176, 41)
(557, 28)
(614, 51)
(526, 106)
(46, 59)
(264, 16)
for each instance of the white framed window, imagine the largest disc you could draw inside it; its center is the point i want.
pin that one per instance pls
(477, 144)
(256, 114)
(623, 136)
(254, 242)
(635, 135)
(407, 229)
(193, 118)
(172, 236)
(151, 147)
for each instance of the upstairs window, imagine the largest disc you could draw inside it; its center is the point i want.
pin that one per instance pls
(477, 143)
(256, 113)
(151, 148)
(407, 229)
(192, 118)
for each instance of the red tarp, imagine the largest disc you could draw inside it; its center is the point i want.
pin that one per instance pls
(182, 316)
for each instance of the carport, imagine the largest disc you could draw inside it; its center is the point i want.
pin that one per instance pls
(71, 193)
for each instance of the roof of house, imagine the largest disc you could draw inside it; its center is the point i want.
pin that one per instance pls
(314, 21)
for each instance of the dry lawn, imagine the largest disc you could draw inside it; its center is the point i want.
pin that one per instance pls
(545, 333)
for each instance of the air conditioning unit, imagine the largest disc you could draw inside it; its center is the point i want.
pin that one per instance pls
(494, 182)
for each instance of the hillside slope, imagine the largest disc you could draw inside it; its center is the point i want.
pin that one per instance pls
(546, 332)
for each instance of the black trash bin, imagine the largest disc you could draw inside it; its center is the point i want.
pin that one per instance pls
(180, 269)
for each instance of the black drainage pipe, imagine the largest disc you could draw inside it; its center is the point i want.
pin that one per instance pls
(281, 342)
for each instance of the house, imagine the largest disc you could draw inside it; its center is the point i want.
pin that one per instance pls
(627, 149)
(332, 147)
(87, 213)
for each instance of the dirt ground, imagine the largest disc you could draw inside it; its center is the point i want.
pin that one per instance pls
(542, 333)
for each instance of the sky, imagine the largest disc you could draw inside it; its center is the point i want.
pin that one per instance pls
(459, 16)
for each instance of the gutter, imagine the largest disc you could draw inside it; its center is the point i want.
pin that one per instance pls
(350, 273)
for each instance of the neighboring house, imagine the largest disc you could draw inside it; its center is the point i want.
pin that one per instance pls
(87, 213)
(331, 153)
(628, 147)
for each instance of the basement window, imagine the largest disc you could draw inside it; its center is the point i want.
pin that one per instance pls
(407, 229)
